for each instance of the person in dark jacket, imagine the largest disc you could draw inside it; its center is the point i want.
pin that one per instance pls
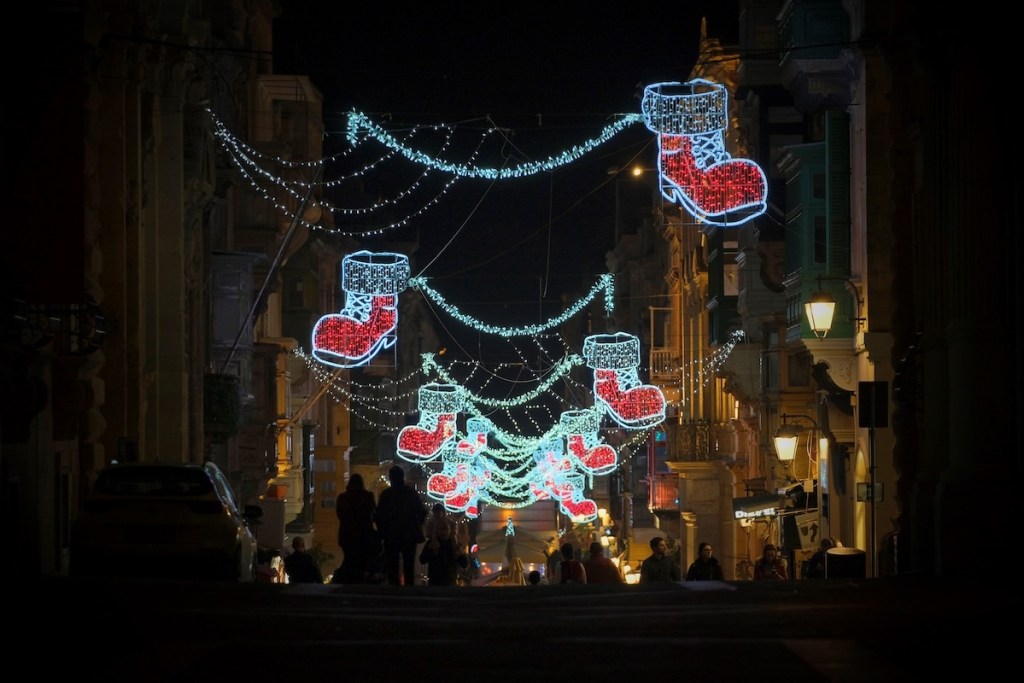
(705, 567)
(815, 567)
(770, 567)
(444, 556)
(400, 516)
(659, 566)
(357, 537)
(570, 570)
(300, 565)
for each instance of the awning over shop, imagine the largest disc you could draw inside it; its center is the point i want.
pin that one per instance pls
(763, 505)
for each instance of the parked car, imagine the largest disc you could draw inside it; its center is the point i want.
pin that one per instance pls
(164, 521)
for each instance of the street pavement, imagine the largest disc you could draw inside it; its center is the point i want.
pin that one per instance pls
(892, 629)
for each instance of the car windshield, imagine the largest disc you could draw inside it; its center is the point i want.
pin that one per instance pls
(153, 481)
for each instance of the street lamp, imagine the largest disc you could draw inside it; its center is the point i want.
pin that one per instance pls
(821, 307)
(787, 436)
(634, 172)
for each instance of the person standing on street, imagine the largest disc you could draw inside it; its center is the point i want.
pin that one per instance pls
(570, 570)
(300, 565)
(554, 558)
(444, 556)
(705, 567)
(815, 567)
(400, 517)
(599, 568)
(356, 536)
(659, 567)
(770, 567)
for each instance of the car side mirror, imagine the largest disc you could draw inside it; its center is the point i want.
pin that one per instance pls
(252, 512)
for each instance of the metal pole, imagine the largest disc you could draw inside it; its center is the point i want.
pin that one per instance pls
(273, 267)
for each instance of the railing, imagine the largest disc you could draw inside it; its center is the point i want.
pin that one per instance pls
(664, 363)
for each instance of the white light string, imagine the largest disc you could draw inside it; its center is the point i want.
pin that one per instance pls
(361, 127)
(605, 284)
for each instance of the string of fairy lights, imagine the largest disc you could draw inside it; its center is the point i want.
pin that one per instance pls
(364, 398)
(255, 167)
(606, 285)
(546, 447)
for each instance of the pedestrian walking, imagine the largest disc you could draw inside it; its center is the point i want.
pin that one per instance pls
(599, 568)
(814, 568)
(570, 570)
(444, 556)
(770, 567)
(400, 516)
(706, 566)
(300, 565)
(659, 566)
(355, 508)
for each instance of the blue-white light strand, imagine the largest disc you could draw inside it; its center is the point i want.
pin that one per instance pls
(605, 284)
(361, 126)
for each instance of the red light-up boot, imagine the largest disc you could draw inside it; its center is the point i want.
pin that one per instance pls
(365, 326)
(454, 477)
(617, 388)
(475, 442)
(580, 427)
(442, 484)
(435, 431)
(695, 170)
(569, 490)
(466, 497)
(551, 465)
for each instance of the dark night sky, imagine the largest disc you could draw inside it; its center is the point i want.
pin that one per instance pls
(552, 80)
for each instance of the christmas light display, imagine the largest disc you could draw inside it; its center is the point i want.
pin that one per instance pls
(617, 388)
(464, 471)
(555, 477)
(366, 324)
(560, 455)
(559, 371)
(361, 127)
(435, 432)
(253, 166)
(605, 284)
(695, 170)
(581, 428)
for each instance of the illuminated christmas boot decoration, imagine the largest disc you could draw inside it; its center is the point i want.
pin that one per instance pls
(471, 477)
(366, 324)
(551, 464)
(569, 491)
(434, 434)
(466, 498)
(555, 477)
(475, 442)
(580, 427)
(455, 477)
(442, 484)
(617, 388)
(695, 170)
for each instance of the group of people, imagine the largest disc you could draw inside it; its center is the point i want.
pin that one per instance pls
(661, 567)
(379, 540)
(565, 568)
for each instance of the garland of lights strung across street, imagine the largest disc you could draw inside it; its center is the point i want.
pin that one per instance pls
(694, 168)
(486, 463)
(562, 459)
